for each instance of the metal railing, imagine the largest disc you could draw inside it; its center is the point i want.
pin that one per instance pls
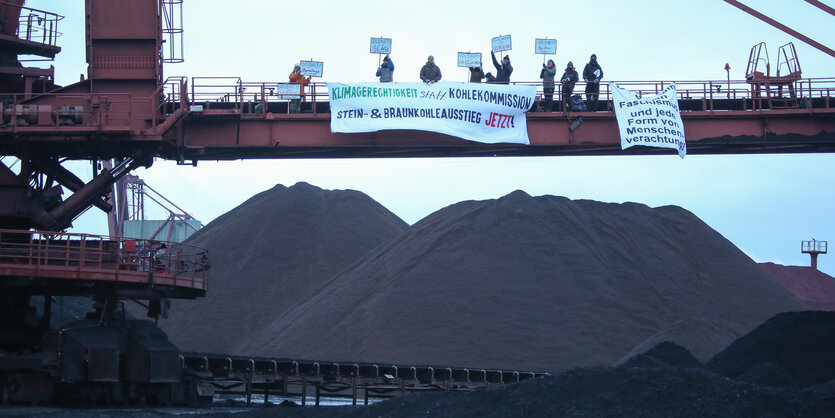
(47, 252)
(247, 96)
(813, 246)
(255, 98)
(37, 25)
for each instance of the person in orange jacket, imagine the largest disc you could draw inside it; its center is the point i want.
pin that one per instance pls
(297, 78)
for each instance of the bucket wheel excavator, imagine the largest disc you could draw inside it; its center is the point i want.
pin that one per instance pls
(111, 118)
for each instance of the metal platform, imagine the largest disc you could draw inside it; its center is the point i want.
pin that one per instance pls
(60, 263)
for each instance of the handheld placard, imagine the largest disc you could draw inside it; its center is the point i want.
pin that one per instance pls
(502, 43)
(545, 46)
(469, 59)
(381, 45)
(311, 68)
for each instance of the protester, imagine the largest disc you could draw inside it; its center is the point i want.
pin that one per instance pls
(568, 79)
(592, 74)
(503, 70)
(386, 70)
(547, 75)
(297, 78)
(489, 77)
(476, 74)
(430, 73)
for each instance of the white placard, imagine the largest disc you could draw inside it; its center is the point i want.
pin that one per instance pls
(381, 45)
(311, 68)
(502, 43)
(469, 59)
(489, 113)
(650, 121)
(546, 46)
(288, 90)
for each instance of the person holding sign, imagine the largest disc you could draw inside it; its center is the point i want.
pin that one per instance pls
(502, 71)
(476, 74)
(386, 70)
(430, 73)
(592, 73)
(297, 78)
(568, 79)
(547, 75)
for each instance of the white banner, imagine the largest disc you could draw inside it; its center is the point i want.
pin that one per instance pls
(489, 113)
(650, 121)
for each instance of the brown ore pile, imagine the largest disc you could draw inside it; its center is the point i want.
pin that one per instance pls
(527, 283)
(814, 287)
(269, 254)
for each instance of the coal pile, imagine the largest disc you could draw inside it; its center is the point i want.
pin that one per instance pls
(664, 381)
(533, 283)
(271, 253)
(796, 348)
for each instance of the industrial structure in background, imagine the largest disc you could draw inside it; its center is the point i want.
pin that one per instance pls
(125, 113)
(128, 217)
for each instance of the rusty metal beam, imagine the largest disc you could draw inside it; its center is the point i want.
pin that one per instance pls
(782, 27)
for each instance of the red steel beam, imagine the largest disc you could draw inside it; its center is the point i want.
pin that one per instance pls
(782, 27)
(301, 136)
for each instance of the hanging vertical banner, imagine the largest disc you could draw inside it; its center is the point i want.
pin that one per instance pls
(650, 121)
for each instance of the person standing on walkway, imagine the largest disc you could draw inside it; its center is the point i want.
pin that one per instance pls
(547, 75)
(592, 74)
(386, 70)
(476, 74)
(296, 77)
(503, 70)
(430, 73)
(568, 79)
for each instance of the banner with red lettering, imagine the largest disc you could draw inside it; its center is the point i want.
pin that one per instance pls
(489, 113)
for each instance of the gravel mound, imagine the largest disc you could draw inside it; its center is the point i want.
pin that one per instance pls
(533, 283)
(272, 253)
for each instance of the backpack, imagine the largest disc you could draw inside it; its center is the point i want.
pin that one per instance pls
(576, 104)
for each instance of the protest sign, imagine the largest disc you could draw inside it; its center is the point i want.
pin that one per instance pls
(311, 68)
(288, 90)
(381, 45)
(502, 43)
(650, 121)
(469, 59)
(489, 113)
(545, 46)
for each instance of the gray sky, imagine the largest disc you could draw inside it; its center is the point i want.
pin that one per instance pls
(766, 205)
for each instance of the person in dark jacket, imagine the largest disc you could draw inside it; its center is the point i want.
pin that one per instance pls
(386, 70)
(430, 73)
(568, 79)
(592, 74)
(476, 74)
(503, 70)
